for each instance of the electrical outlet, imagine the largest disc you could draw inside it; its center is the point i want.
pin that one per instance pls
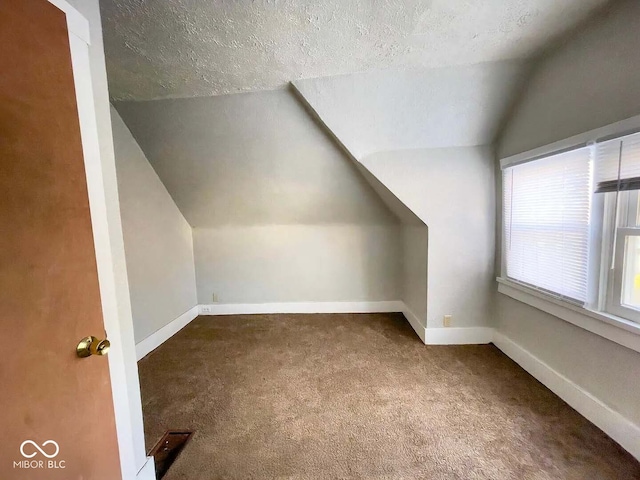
(214, 297)
(206, 309)
(447, 320)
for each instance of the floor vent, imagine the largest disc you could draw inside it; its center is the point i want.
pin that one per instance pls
(167, 450)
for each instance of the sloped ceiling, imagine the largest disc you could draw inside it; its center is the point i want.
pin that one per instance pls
(392, 75)
(251, 159)
(188, 48)
(433, 108)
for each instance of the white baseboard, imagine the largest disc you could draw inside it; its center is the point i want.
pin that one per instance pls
(300, 307)
(623, 431)
(459, 335)
(148, 470)
(157, 338)
(414, 321)
(431, 336)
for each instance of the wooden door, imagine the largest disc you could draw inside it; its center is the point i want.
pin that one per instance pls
(56, 410)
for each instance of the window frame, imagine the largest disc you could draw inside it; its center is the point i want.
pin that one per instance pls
(614, 288)
(595, 315)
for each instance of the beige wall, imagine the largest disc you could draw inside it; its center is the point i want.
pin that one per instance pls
(298, 263)
(589, 82)
(157, 240)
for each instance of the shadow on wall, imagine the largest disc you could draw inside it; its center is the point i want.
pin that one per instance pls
(415, 248)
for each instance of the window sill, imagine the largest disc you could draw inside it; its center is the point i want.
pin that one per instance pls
(618, 330)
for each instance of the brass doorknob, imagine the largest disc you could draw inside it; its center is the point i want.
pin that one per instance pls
(92, 346)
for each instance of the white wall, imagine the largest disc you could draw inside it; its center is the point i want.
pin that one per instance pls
(606, 370)
(452, 191)
(280, 213)
(157, 240)
(298, 263)
(589, 82)
(447, 267)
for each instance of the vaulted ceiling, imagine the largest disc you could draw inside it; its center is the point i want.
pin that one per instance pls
(381, 75)
(189, 48)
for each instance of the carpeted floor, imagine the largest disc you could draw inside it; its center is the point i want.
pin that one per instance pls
(358, 396)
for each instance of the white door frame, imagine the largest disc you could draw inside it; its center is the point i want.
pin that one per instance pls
(109, 247)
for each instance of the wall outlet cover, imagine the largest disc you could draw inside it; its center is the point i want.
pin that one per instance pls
(447, 320)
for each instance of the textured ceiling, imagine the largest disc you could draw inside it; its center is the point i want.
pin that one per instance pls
(187, 48)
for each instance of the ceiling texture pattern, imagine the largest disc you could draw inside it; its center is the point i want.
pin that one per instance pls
(193, 48)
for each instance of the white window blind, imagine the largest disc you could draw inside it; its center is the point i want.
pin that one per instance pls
(547, 206)
(618, 164)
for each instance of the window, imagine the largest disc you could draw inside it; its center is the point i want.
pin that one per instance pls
(618, 179)
(572, 225)
(547, 205)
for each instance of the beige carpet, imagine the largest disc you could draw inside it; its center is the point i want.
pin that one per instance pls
(358, 396)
